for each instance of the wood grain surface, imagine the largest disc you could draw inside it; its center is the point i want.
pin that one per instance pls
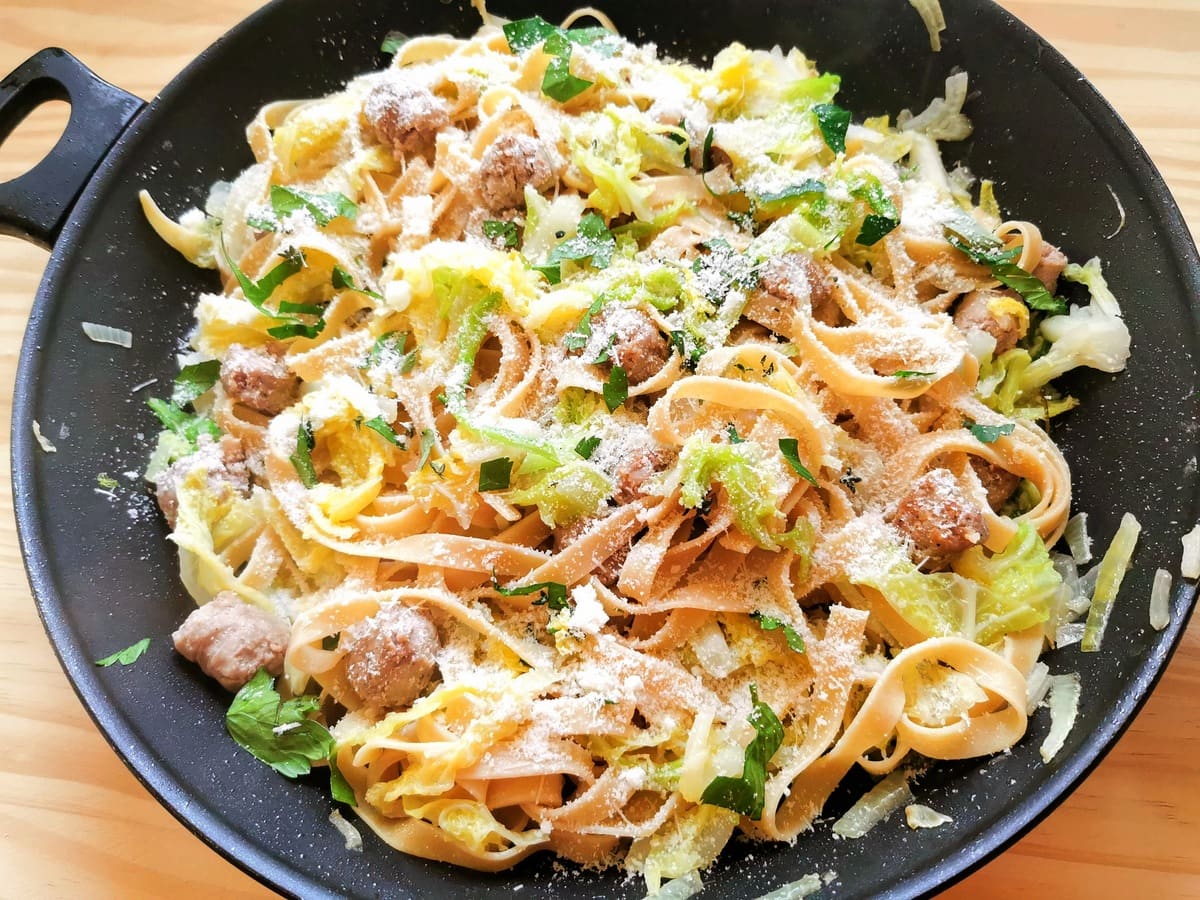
(75, 823)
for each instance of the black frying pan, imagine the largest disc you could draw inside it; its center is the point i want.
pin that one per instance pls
(1041, 131)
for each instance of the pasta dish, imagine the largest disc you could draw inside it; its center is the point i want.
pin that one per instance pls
(607, 454)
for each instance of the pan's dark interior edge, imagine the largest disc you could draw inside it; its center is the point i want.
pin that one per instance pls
(114, 697)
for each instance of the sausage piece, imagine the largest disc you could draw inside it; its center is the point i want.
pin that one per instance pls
(636, 470)
(390, 657)
(405, 116)
(938, 517)
(259, 378)
(224, 464)
(231, 640)
(508, 164)
(1050, 266)
(999, 483)
(977, 312)
(796, 279)
(634, 341)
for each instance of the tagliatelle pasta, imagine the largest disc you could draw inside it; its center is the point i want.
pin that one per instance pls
(629, 449)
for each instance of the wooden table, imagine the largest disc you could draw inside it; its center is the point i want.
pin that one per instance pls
(74, 822)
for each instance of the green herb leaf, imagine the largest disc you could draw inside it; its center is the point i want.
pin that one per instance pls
(734, 437)
(195, 380)
(874, 229)
(706, 154)
(807, 188)
(382, 428)
(988, 434)
(388, 351)
(344, 281)
(833, 122)
(577, 339)
(301, 460)
(790, 449)
(587, 446)
(911, 373)
(553, 594)
(188, 426)
(770, 623)
(616, 389)
(393, 41)
(558, 83)
(428, 439)
(689, 349)
(747, 794)
(985, 250)
(323, 208)
(280, 733)
(525, 34)
(296, 329)
(723, 269)
(593, 241)
(107, 482)
(494, 229)
(126, 657)
(258, 292)
(495, 474)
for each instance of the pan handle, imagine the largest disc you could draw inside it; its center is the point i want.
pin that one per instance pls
(35, 205)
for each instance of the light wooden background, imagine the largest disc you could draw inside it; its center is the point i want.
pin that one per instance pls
(75, 823)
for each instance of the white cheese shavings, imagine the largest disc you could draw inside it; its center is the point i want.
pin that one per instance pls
(106, 334)
(1160, 600)
(919, 816)
(42, 440)
(587, 615)
(1064, 707)
(1190, 566)
(349, 832)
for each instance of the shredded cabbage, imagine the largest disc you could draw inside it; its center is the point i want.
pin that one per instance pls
(1064, 707)
(942, 119)
(1189, 566)
(920, 816)
(747, 476)
(874, 806)
(1017, 585)
(1108, 581)
(1160, 600)
(930, 12)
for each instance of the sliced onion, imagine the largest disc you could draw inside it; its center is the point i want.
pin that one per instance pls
(1160, 600)
(1077, 538)
(679, 888)
(918, 816)
(1068, 634)
(1190, 567)
(1108, 581)
(1064, 707)
(106, 334)
(349, 832)
(1036, 686)
(795, 890)
(874, 806)
(930, 12)
(43, 441)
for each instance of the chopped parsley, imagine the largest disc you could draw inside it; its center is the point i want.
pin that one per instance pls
(790, 449)
(389, 350)
(688, 348)
(558, 83)
(195, 380)
(587, 446)
(616, 389)
(126, 657)
(874, 229)
(790, 634)
(593, 241)
(577, 339)
(747, 794)
(344, 281)
(984, 249)
(723, 269)
(393, 41)
(506, 231)
(280, 733)
(382, 428)
(284, 200)
(301, 460)
(258, 292)
(189, 426)
(553, 594)
(107, 482)
(833, 122)
(495, 474)
(734, 437)
(988, 434)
